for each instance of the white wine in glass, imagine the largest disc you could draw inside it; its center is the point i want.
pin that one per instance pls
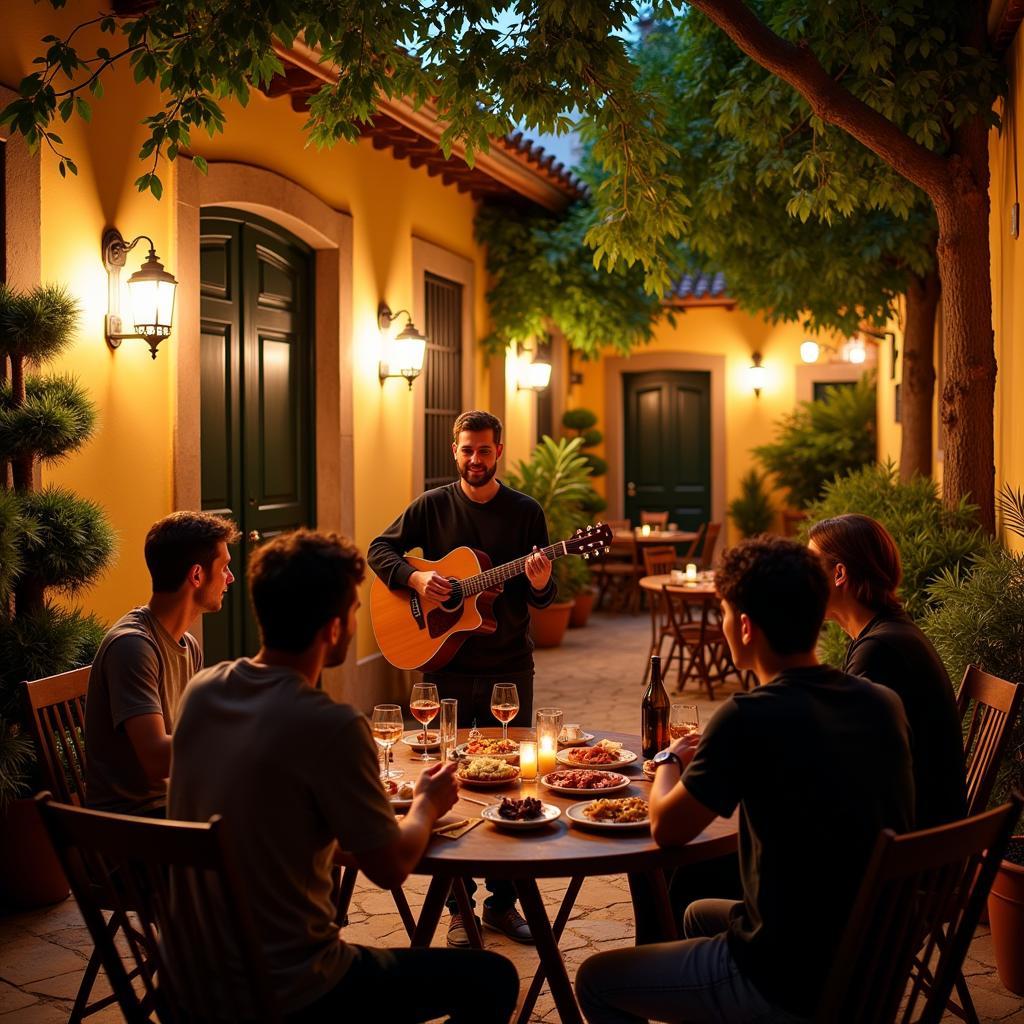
(387, 725)
(683, 719)
(504, 705)
(424, 705)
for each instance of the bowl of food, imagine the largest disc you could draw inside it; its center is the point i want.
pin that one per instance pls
(627, 812)
(490, 746)
(520, 814)
(486, 772)
(583, 781)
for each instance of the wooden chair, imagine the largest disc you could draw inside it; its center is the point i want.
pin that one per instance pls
(56, 706)
(659, 559)
(691, 552)
(659, 519)
(707, 551)
(922, 895)
(179, 881)
(618, 572)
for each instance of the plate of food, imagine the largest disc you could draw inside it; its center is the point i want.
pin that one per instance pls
(490, 746)
(400, 794)
(583, 781)
(649, 768)
(416, 741)
(486, 772)
(603, 754)
(620, 813)
(520, 814)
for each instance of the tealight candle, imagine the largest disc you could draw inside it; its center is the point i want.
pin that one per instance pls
(546, 756)
(645, 530)
(691, 572)
(549, 725)
(528, 760)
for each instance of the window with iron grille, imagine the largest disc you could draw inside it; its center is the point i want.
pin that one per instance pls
(442, 373)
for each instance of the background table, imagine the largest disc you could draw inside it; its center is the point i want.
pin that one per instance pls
(556, 850)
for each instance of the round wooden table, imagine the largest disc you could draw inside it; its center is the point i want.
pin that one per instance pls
(655, 536)
(556, 850)
(701, 588)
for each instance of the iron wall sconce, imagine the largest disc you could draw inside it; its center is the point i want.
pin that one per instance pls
(404, 354)
(756, 374)
(151, 289)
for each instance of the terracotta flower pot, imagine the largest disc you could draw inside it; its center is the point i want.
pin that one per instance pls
(582, 607)
(1006, 919)
(548, 625)
(30, 874)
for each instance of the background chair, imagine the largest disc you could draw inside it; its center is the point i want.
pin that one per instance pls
(188, 932)
(659, 559)
(922, 896)
(707, 550)
(618, 572)
(658, 519)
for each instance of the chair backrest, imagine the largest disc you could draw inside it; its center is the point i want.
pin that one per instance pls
(659, 559)
(173, 888)
(919, 903)
(691, 551)
(654, 518)
(619, 524)
(707, 551)
(989, 706)
(56, 707)
(690, 608)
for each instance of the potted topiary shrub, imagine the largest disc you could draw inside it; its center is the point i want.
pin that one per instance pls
(558, 478)
(52, 545)
(752, 511)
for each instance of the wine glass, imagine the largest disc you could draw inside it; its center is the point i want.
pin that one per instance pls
(387, 727)
(424, 705)
(504, 705)
(683, 719)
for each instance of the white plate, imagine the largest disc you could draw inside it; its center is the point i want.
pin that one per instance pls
(549, 813)
(400, 805)
(625, 757)
(488, 783)
(584, 739)
(568, 791)
(575, 814)
(415, 739)
(512, 758)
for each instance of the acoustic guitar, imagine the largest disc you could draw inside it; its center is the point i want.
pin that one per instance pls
(414, 632)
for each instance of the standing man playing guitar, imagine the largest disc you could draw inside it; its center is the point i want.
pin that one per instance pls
(480, 512)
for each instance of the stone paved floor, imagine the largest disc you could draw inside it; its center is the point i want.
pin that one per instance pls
(596, 677)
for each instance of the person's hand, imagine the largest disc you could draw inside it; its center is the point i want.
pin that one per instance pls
(685, 747)
(438, 784)
(431, 585)
(538, 569)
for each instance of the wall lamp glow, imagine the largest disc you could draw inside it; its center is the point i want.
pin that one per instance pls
(855, 351)
(533, 376)
(756, 374)
(151, 290)
(404, 354)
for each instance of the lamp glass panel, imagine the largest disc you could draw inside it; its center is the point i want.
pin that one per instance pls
(407, 354)
(152, 305)
(809, 351)
(756, 377)
(536, 376)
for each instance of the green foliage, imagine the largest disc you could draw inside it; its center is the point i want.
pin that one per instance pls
(583, 422)
(580, 420)
(977, 618)
(56, 418)
(822, 440)
(37, 325)
(752, 511)
(16, 758)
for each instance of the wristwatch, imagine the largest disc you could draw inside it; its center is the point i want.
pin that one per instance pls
(665, 757)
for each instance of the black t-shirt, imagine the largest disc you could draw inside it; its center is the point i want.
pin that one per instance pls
(818, 762)
(504, 528)
(892, 651)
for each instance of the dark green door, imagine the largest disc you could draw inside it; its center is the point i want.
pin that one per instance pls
(256, 367)
(668, 446)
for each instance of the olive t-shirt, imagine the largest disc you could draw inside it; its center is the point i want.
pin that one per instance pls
(819, 763)
(139, 670)
(292, 773)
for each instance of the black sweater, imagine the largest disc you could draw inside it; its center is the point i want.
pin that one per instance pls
(504, 528)
(892, 651)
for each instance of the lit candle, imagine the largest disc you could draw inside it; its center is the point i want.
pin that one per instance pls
(528, 760)
(691, 572)
(645, 530)
(546, 755)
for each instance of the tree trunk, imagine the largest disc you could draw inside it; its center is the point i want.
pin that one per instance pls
(21, 464)
(918, 386)
(969, 365)
(4, 477)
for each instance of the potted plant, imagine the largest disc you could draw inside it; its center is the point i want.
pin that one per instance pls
(976, 619)
(557, 476)
(577, 584)
(752, 511)
(52, 543)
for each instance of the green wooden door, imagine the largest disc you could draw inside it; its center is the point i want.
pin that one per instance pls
(256, 376)
(668, 446)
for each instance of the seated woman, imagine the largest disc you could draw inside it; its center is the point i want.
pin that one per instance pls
(864, 570)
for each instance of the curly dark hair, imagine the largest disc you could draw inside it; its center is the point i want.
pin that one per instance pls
(781, 586)
(183, 539)
(477, 419)
(298, 582)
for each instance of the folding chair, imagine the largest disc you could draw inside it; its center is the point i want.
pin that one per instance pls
(921, 897)
(194, 927)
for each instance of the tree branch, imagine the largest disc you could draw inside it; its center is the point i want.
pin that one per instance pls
(798, 66)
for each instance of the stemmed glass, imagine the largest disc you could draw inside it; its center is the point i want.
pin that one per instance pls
(387, 725)
(504, 705)
(683, 719)
(424, 705)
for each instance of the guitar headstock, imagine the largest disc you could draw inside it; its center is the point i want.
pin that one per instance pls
(590, 541)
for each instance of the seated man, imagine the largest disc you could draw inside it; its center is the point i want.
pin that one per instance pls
(294, 775)
(818, 762)
(141, 668)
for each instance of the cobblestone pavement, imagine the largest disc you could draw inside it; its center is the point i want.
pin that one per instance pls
(596, 678)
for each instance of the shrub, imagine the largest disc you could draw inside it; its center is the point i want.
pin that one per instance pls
(752, 511)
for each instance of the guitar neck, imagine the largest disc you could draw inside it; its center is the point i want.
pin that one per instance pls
(502, 573)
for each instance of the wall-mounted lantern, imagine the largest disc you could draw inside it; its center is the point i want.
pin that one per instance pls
(404, 354)
(533, 376)
(151, 292)
(756, 374)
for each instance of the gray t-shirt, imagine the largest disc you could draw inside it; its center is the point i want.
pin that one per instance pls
(138, 670)
(291, 772)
